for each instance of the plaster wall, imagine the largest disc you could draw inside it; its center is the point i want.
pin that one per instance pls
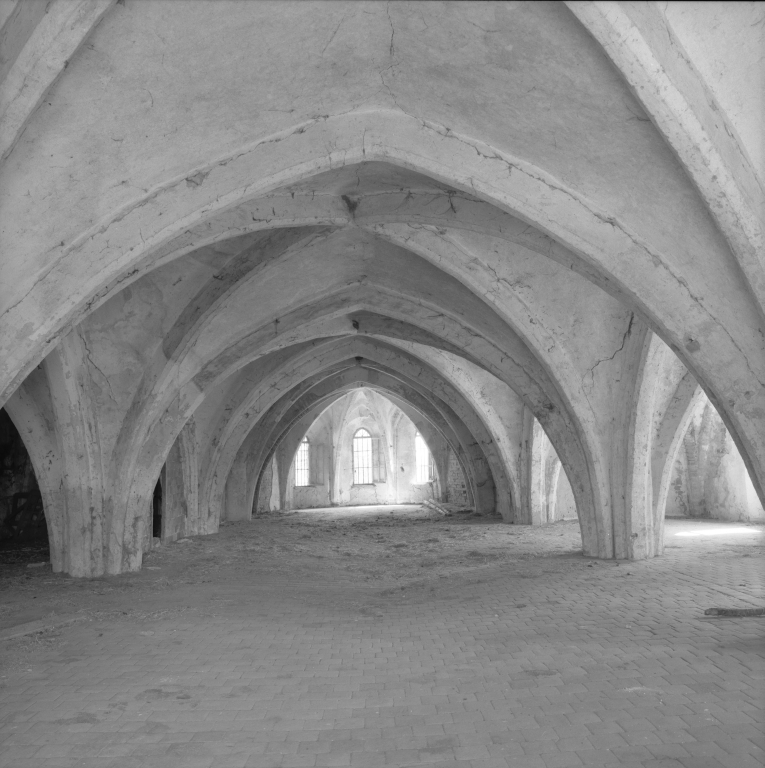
(263, 500)
(677, 499)
(456, 487)
(565, 506)
(708, 31)
(18, 20)
(709, 477)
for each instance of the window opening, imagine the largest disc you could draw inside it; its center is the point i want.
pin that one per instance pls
(303, 463)
(362, 458)
(423, 461)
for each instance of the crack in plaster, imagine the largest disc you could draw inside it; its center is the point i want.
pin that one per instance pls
(332, 37)
(391, 54)
(392, 48)
(92, 362)
(605, 218)
(626, 335)
(591, 371)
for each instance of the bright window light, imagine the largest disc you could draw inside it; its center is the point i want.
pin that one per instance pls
(362, 457)
(722, 532)
(421, 460)
(303, 464)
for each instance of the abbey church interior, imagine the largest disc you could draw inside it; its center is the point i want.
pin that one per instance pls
(382, 384)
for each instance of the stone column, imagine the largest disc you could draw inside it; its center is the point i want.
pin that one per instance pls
(87, 517)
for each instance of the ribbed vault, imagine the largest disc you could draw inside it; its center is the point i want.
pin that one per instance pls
(504, 225)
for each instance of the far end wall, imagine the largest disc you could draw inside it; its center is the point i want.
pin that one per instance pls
(331, 449)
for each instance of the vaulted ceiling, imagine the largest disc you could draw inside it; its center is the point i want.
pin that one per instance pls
(210, 209)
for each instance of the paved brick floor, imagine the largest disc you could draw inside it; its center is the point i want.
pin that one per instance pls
(544, 662)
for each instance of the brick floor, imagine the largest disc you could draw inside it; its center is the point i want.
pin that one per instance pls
(602, 665)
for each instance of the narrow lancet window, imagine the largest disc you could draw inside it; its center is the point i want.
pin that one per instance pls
(362, 457)
(303, 463)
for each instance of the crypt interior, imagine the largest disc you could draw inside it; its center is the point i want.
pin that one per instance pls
(495, 266)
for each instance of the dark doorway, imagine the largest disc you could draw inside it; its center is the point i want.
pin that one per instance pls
(156, 511)
(22, 519)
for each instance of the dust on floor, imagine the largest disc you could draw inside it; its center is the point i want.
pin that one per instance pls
(397, 550)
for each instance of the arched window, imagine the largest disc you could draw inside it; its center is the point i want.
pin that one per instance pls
(362, 457)
(303, 463)
(423, 461)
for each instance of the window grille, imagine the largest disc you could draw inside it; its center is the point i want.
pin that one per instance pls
(303, 463)
(423, 461)
(362, 458)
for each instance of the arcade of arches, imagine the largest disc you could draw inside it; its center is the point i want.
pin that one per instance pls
(531, 232)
